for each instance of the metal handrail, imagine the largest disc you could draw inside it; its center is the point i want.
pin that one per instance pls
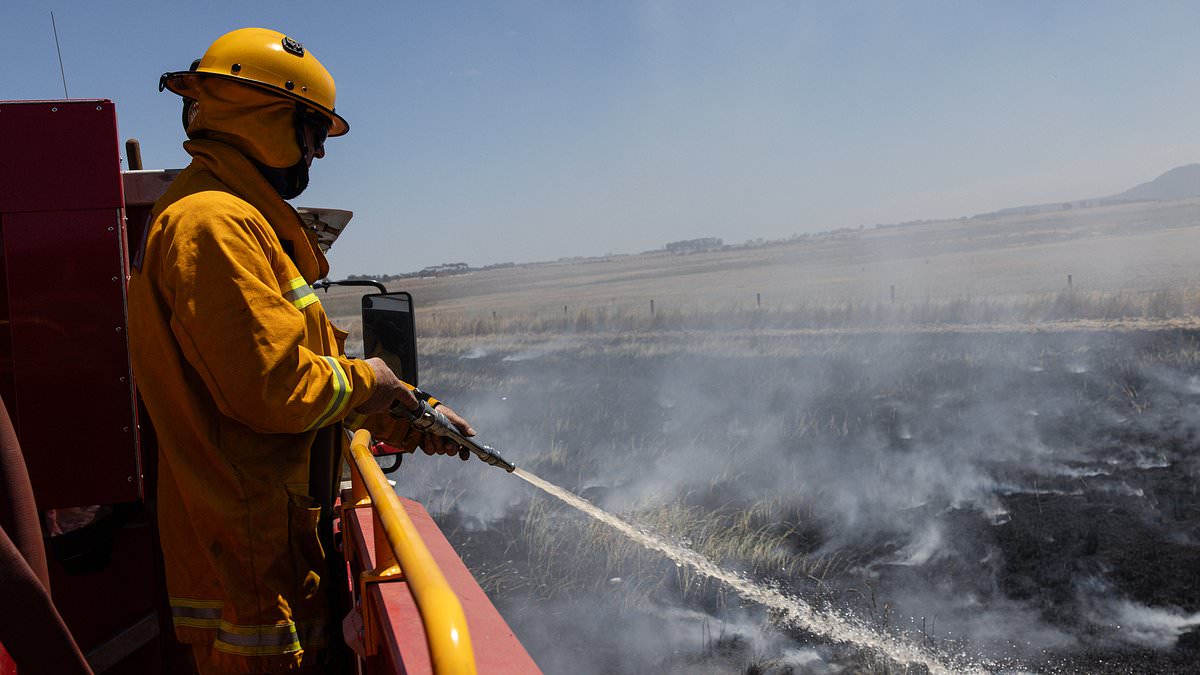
(441, 613)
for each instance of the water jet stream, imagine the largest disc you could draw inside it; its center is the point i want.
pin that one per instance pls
(795, 611)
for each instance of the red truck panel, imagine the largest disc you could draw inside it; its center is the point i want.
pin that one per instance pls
(405, 650)
(60, 155)
(64, 357)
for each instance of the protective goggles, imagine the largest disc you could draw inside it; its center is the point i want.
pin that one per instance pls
(319, 124)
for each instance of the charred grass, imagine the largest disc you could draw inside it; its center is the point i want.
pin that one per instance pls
(944, 485)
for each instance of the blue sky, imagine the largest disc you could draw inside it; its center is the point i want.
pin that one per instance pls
(492, 131)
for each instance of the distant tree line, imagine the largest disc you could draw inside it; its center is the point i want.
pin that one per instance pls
(443, 270)
(695, 245)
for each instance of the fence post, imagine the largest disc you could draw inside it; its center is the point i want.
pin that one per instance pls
(1069, 286)
(758, 298)
(651, 307)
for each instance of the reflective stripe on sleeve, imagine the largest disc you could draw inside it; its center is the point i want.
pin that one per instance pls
(299, 293)
(257, 640)
(341, 394)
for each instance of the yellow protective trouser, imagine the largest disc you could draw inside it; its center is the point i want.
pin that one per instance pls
(205, 666)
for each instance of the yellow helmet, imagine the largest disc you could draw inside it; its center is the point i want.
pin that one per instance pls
(268, 60)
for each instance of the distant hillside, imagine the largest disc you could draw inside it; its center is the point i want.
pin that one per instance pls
(1179, 183)
(1182, 182)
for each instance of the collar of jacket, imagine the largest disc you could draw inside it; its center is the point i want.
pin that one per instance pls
(235, 170)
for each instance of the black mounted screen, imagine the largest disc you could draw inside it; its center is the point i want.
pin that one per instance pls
(389, 332)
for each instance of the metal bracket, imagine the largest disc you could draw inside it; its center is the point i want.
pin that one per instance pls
(386, 571)
(371, 628)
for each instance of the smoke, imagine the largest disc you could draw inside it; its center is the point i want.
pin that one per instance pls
(1148, 626)
(956, 488)
(538, 351)
(656, 638)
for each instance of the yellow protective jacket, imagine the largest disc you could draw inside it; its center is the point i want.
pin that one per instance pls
(239, 367)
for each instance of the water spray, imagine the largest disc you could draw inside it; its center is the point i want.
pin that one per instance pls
(794, 611)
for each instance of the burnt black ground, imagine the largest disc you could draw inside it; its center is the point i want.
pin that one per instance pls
(1009, 496)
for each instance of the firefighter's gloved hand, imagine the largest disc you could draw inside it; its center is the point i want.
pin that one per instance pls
(388, 388)
(433, 444)
(393, 434)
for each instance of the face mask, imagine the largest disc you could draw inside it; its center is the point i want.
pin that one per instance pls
(289, 182)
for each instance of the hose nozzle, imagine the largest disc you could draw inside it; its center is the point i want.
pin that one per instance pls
(428, 420)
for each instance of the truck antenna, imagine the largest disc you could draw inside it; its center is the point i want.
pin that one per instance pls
(60, 61)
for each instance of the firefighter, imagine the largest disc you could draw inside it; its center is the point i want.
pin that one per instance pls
(243, 375)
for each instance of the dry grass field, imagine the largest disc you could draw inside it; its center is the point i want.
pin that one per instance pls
(995, 465)
(1131, 250)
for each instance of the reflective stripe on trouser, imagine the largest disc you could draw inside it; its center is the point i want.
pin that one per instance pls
(267, 640)
(196, 613)
(257, 640)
